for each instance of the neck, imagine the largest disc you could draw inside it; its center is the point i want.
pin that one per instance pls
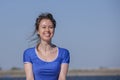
(45, 46)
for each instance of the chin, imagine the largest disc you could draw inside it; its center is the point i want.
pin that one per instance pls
(47, 40)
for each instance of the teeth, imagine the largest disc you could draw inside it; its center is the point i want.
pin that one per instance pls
(47, 34)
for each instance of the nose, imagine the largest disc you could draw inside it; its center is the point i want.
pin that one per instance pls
(47, 29)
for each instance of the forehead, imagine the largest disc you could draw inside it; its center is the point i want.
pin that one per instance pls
(46, 21)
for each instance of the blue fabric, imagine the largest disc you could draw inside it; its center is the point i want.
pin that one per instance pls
(43, 70)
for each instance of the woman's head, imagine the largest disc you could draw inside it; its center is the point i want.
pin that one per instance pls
(44, 16)
(44, 26)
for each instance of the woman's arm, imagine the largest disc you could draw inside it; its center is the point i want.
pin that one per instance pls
(28, 71)
(63, 71)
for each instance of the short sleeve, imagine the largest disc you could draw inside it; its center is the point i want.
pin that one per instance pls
(26, 57)
(66, 57)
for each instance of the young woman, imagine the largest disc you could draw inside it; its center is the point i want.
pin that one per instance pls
(46, 61)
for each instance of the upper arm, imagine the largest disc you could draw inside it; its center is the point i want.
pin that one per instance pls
(28, 71)
(28, 65)
(63, 71)
(64, 65)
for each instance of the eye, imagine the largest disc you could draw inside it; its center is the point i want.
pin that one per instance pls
(51, 27)
(43, 27)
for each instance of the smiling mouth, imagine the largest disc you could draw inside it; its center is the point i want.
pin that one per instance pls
(47, 34)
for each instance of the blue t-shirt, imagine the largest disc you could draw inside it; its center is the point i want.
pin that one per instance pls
(43, 70)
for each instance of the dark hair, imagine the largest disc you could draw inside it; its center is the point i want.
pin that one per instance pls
(38, 20)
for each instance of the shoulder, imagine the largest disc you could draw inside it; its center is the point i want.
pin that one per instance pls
(64, 55)
(63, 51)
(29, 50)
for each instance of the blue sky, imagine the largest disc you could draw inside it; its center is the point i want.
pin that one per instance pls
(90, 29)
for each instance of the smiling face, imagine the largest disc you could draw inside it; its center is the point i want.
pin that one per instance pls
(46, 30)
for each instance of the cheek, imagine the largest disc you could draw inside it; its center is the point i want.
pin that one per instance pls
(40, 30)
(53, 31)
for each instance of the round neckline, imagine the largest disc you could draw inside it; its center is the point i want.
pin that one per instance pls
(36, 52)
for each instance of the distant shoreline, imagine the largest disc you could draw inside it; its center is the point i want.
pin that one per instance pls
(80, 72)
(95, 72)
